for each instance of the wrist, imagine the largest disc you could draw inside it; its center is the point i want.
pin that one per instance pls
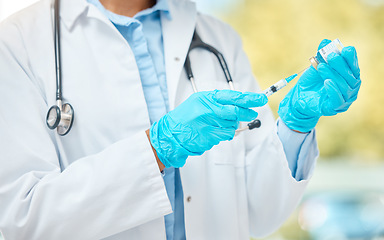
(159, 163)
(300, 132)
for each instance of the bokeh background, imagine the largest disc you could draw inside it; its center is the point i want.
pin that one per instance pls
(345, 198)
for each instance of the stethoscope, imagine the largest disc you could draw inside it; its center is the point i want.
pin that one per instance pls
(61, 116)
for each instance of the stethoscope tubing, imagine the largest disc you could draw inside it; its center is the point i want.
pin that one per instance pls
(198, 43)
(57, 50)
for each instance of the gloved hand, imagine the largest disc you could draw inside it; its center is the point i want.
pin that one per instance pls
(329, 90)
(200, 122)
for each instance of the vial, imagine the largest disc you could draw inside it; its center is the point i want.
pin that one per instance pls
(333, 47)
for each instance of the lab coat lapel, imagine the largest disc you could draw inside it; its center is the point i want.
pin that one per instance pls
(177, 34)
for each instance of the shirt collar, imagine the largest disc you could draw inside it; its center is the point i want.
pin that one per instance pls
(161, 6)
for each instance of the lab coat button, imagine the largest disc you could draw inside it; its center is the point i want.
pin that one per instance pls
(177, 59)
(189, 198)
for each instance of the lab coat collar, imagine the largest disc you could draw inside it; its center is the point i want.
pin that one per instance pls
(177, 33)
(70, 10)
(177, 37)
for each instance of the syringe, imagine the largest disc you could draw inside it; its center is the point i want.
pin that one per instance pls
(279, 85)
(333, 47)
(269, 91)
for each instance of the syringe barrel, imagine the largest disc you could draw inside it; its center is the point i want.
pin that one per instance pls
(275, 87)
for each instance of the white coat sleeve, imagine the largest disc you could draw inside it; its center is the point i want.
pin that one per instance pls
(95, 197)
(273, 193)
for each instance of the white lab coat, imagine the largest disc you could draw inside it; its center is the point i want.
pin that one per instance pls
(110, 186)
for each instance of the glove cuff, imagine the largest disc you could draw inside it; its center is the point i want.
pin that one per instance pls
(168, 149)
(300, 125)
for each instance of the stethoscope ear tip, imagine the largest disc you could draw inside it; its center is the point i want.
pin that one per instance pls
(254, 124)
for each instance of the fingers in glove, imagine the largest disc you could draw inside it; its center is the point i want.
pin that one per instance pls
(350, 55)
(217, 135)
(234, 113)
(335, 97)
(328, 72)
(221, 121)
(224, 134)
(244, 100)
(338, 63)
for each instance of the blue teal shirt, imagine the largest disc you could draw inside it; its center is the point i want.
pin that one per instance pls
(144, 35)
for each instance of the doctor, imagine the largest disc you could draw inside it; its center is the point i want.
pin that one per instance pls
(146, 158)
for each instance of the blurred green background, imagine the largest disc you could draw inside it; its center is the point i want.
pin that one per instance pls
(279, 37)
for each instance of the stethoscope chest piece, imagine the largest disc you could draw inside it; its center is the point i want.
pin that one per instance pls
(60, 118)
(53, 117)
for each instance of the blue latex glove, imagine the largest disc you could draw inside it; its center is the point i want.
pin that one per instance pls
(329, 90)
(200, 122)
